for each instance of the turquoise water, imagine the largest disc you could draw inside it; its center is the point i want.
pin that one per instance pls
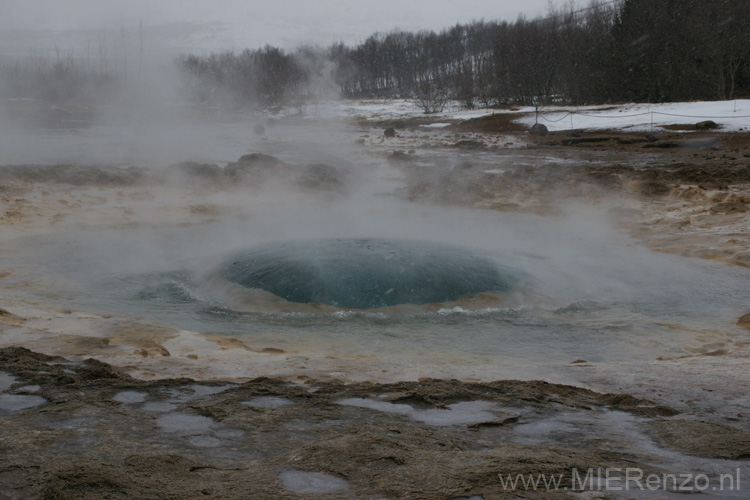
(366, 273)
(586, 293)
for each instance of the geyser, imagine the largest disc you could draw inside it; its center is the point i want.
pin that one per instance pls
(366, 273)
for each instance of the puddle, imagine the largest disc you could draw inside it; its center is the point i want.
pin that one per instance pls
(229, 433)
(11, 403)
(545, 431)
(195, 391)
(130, 397)
(6, 381)
(463, 413)
(158, 406)
(267, 402)
(467, 412)
(205, 441)
(185, 424)
(72, 423)
(311, 482)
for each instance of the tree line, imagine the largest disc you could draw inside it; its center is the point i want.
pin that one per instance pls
(615, 51)
(610, 51)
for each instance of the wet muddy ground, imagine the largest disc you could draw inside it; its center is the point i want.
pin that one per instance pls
(85, 430)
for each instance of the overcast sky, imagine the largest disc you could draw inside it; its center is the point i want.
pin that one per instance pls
(200, 25)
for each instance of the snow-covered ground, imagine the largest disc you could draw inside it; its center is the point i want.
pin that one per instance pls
(732, 116)
(391, 109)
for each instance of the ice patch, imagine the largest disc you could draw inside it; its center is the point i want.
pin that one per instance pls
(311, 482)
(185, 424)
(463, 413)
(267, 402)
(130, 397)
(10, 403)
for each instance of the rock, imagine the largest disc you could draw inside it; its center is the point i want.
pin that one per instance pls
(729, 207)
(703, 439)
(399, 156)
(198, 171)
(651, 137)
(321, 176)
(256, 165)
(744, 321)
(390, 132)
(259, 129)
(653, 188)
(539, 129)
(706, 125)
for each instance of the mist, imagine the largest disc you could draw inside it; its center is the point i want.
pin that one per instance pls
(184, 157)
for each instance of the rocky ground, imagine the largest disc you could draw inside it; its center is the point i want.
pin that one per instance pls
(110, 407)
(266, 438)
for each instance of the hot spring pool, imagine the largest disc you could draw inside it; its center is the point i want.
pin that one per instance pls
(522, 289)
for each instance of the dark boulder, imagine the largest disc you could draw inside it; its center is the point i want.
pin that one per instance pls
(255, 165)
(706, 125)
(539, 129)
(390, 132)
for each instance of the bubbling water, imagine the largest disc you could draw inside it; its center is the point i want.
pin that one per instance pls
(366, 273)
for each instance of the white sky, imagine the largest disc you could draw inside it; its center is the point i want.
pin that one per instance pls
(201, 25)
